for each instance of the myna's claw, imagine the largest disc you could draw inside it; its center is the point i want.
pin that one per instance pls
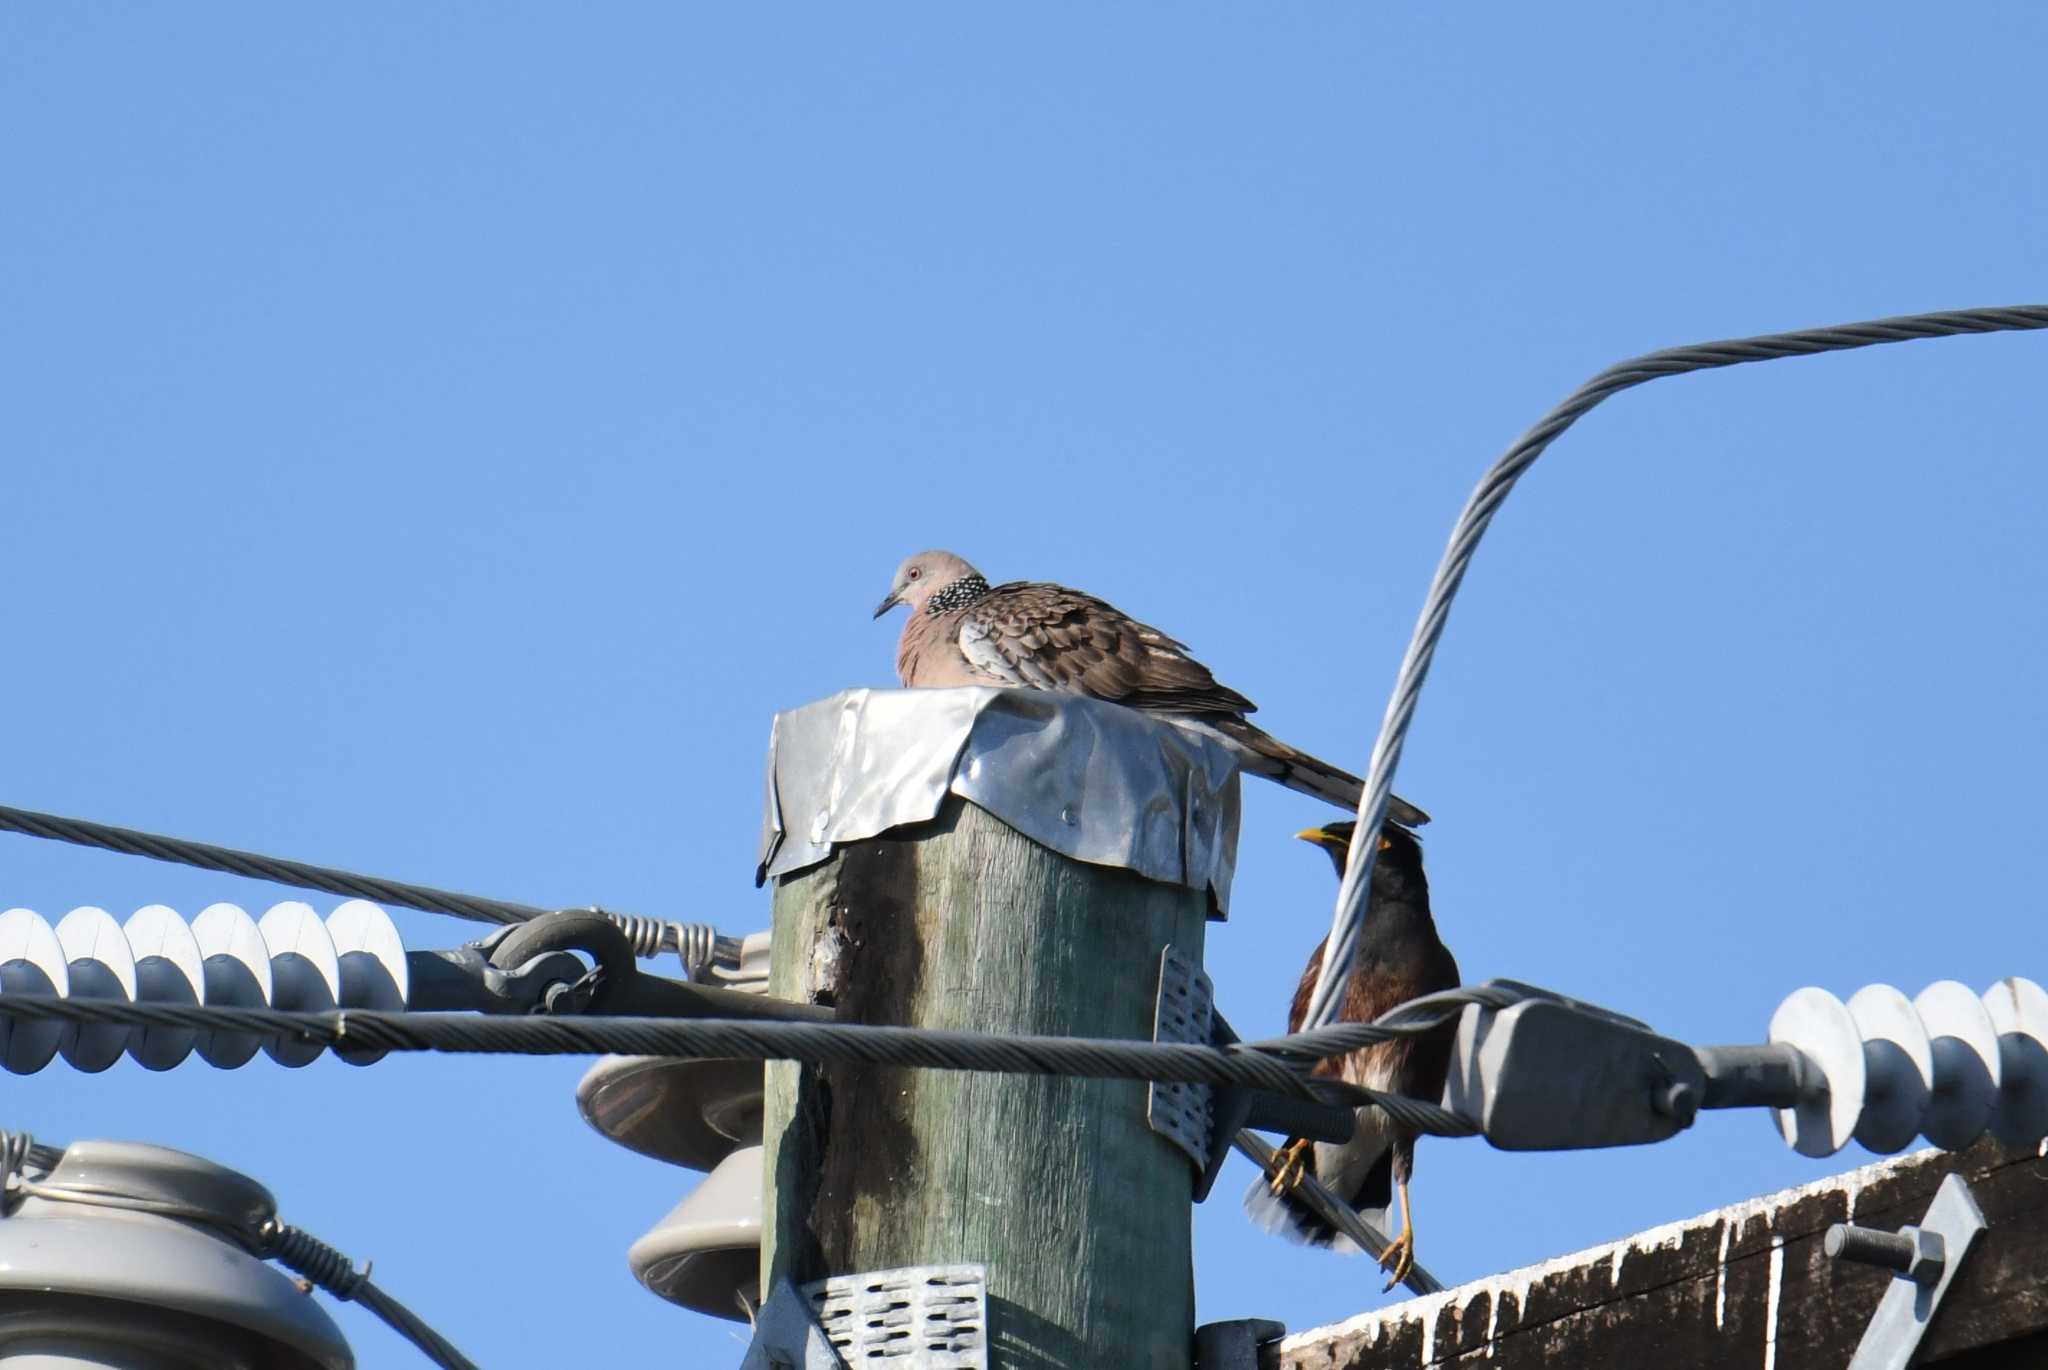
(1398, 1259)
(1288, 1165)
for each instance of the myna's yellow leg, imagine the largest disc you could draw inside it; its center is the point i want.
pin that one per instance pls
(1399, 1257)
(1289, 1163)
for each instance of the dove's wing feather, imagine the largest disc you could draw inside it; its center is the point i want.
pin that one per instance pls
(1048, 637)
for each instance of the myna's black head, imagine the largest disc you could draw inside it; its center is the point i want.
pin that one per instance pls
(1400, 855)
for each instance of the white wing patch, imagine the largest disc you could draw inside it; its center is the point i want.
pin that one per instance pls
(1006, 659)
(978, 646)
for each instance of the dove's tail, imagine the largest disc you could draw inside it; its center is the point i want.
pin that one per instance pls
(1261, 753)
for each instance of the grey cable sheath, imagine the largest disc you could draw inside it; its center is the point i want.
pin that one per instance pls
(1347, 923)
(330, 1270)
(695, 943)
(1258, 1065)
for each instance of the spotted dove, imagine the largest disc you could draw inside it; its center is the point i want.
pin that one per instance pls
(1040, 636)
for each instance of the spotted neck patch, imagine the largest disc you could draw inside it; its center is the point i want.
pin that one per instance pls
(956, 595)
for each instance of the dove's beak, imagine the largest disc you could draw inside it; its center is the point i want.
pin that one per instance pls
(886, 605)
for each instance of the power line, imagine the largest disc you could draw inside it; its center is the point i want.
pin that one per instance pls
(326, 1267)
(698, 944)
(1340, 949)
(1259, 1066)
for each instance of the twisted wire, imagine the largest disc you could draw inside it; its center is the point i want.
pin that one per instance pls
(651, 936)
(305, 1254)
(302, 1252)
(698, 946)
(19, 1152)
(14, 1153)
(1340, 949)
(1257, 1066)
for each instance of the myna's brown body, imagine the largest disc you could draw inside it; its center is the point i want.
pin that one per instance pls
(1400, 958)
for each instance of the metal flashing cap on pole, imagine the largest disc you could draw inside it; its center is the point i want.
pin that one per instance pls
(1091, 780)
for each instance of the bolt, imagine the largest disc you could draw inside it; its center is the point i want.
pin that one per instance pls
(1678, 1101)
(1917, 1255)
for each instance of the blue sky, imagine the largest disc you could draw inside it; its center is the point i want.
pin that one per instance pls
(438, 440)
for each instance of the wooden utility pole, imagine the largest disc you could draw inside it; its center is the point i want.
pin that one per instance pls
(1079, 1211)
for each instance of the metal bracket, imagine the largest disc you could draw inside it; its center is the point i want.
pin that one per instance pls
(1234, 1345)
(1202, 1121)
(922, 1317)
(1237, 1109)
(788, 1337)
(465, 977)
(1549, 1074)
(537, 966)
(1183, 1012)
(1924, 1259)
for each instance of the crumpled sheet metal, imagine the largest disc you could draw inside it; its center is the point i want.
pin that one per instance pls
(1094, 781)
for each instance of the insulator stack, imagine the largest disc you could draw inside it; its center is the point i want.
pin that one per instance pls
(702, 1114)
(1948, 1065)
(289, 959)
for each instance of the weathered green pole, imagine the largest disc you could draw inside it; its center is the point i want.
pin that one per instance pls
(1079, 1211)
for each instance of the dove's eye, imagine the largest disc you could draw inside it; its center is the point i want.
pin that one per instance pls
(915, 573)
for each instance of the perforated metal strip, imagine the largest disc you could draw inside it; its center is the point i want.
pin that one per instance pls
(1185, 1011)
(922, 1317)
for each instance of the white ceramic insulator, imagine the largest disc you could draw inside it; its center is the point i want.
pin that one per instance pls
(101, 966)
(373, 969)
(31, 962)
(2019, 1011)
(1966, 1064)
(1819, 1025)
(237, 975)
(168, 970)
(291, 960)
(1898, 1063)
(305, 974)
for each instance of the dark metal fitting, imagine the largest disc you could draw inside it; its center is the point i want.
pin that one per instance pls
(617, 985)
(1678, 1101)
(1918, 1255)
(1234, 1345)
(465, 978)
(1774, 1076)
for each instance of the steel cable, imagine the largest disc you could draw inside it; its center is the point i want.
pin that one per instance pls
(1258, 1066)
(1347, 923)
(1333, 1210)
(698, 944)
